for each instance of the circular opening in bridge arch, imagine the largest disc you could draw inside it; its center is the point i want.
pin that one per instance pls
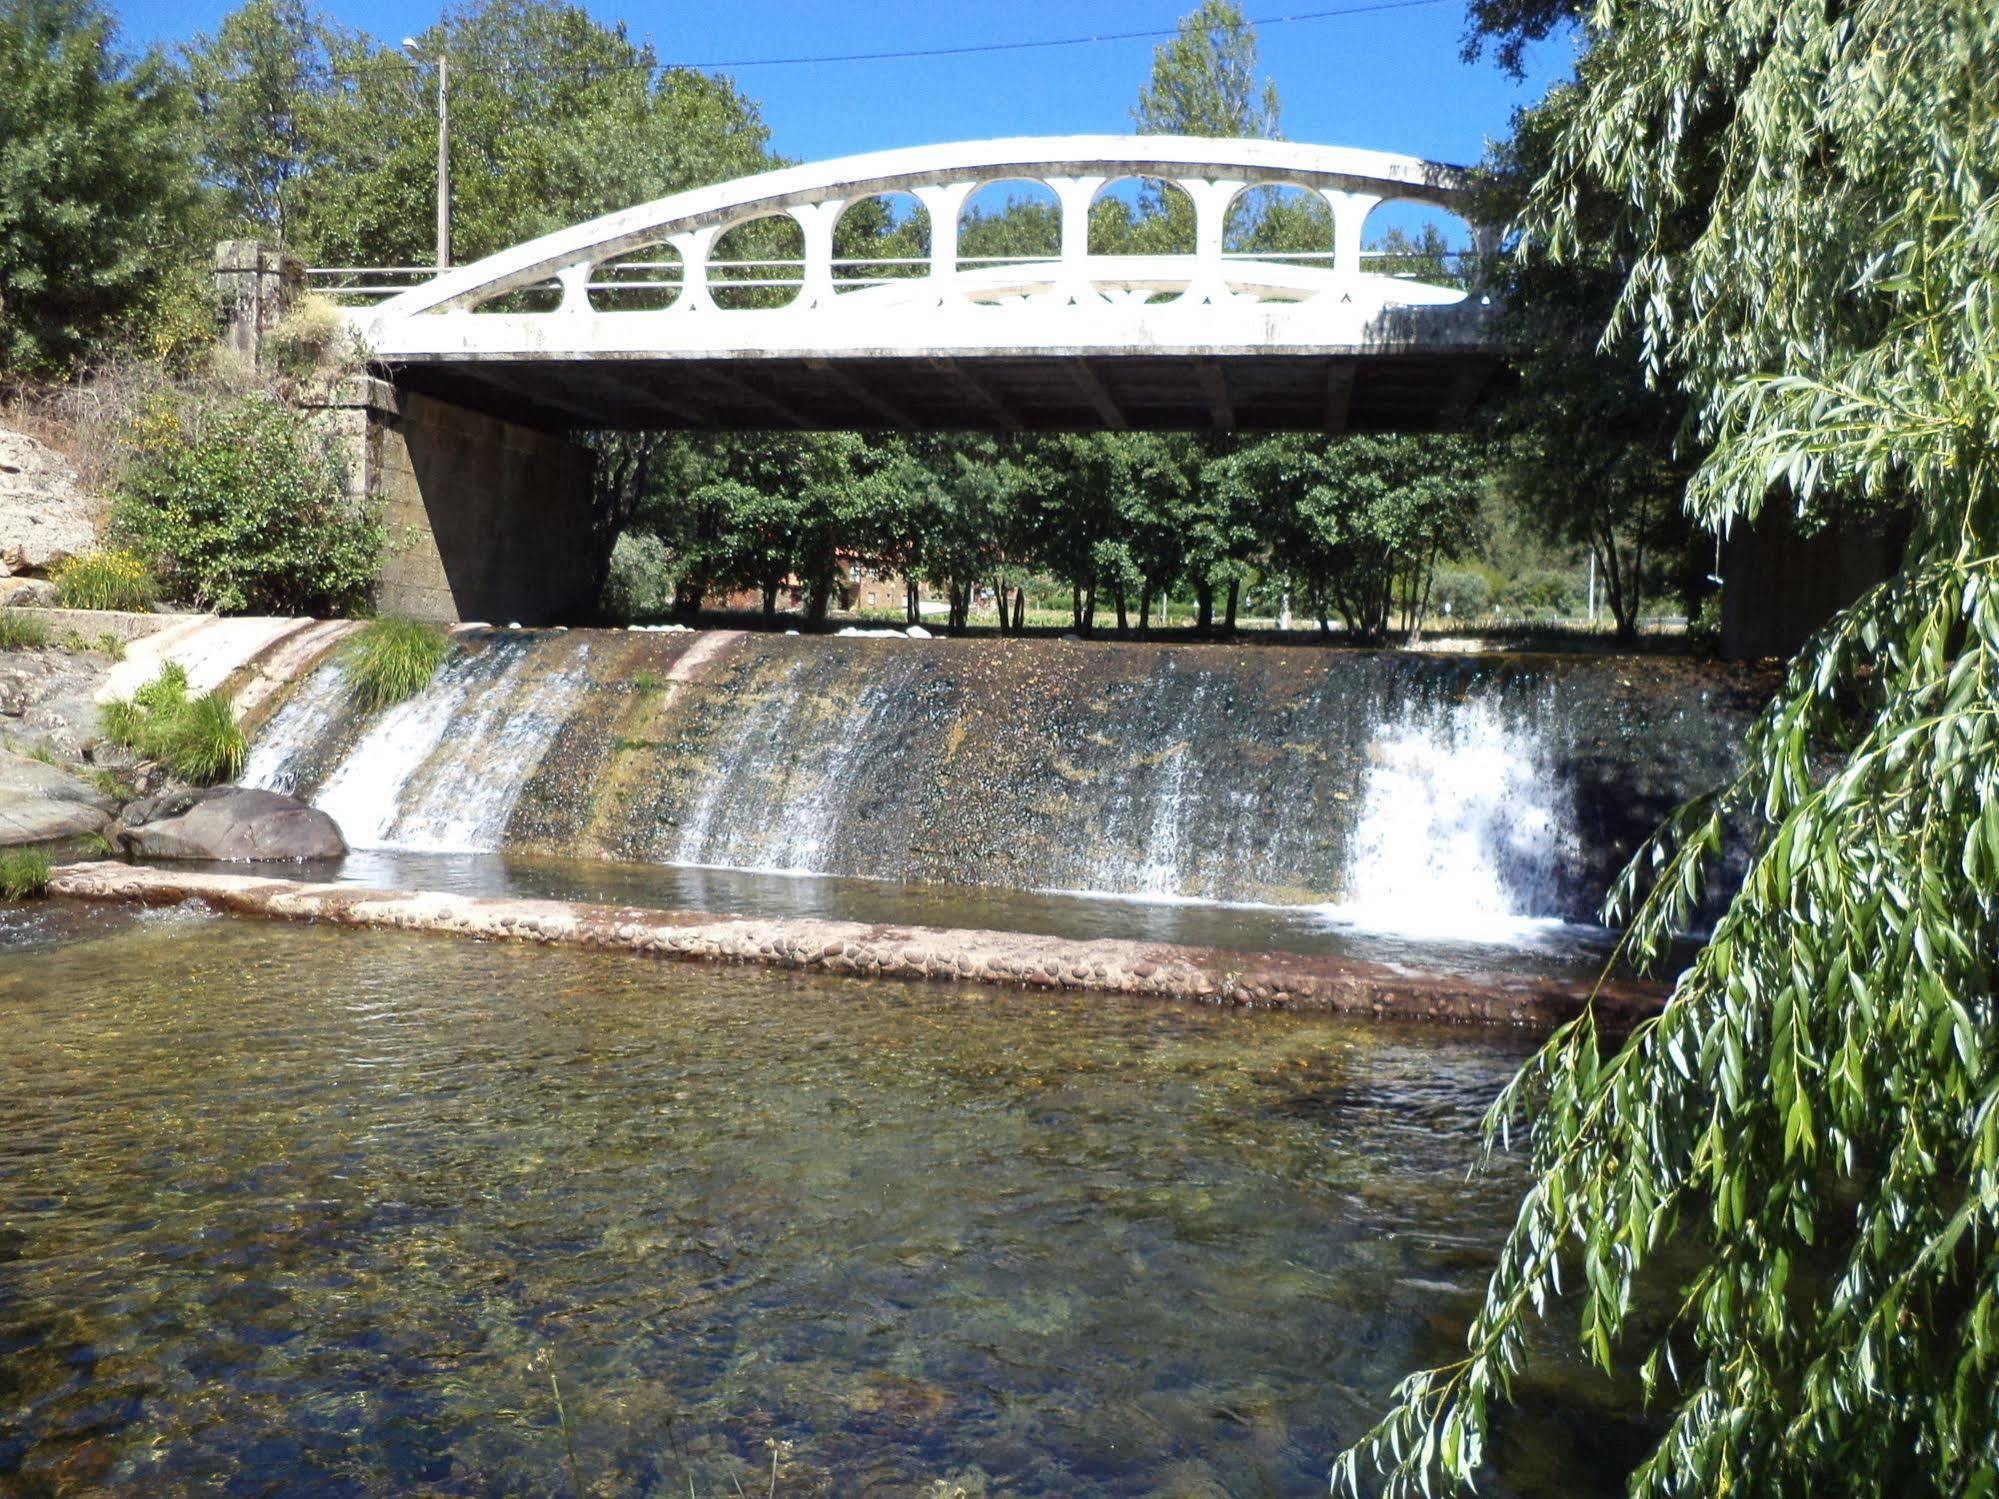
(1009, 223)
(757, 263)
(881, 240)
(1136, 217)
(1280, 221)
(647, 280)
(1416, 241)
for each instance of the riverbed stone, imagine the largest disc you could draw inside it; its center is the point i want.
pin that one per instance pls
(227, 822)
(42, 803)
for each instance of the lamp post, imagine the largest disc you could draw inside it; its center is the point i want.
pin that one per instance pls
(443, 149)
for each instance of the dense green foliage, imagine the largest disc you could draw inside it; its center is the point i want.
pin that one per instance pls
(325, 138)
(393, 658)
(196, 738)
(1810, 1130)
(1603, 453)
(24, 873)
(242, 508)
(105, 580)
(97, 226)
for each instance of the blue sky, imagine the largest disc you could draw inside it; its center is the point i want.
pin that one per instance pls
(1390, 79)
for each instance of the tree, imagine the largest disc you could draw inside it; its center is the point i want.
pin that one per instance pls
(1595, 454)
(1810, 1128)
(1204, 80)
(1359, 523)
(97, 201)
(554, 117)
(264, 86)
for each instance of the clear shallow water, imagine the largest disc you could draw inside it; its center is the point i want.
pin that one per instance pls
(302, 1210)
(1522, 946)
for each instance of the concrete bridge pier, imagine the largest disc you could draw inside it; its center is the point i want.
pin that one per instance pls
(488, 519)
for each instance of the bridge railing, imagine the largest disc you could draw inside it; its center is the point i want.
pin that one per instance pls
(638, 280)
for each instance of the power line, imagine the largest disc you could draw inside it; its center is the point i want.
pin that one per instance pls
(972, 48)
(968, 49)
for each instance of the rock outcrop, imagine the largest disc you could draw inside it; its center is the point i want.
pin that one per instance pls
(41, 803)
(226, 822)
(44, 514)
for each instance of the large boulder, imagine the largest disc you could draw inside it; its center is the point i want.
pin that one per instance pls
(42, 803)
(44, 514)
(226, 822)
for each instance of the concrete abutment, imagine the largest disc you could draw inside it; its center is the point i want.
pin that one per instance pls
(488, 519)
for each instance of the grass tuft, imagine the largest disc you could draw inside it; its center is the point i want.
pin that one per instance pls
(20, 632)
(24, 872)
(105, 580)
(197, 739)
(394, 658)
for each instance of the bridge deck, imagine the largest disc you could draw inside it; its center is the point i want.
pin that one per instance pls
(1417, 390)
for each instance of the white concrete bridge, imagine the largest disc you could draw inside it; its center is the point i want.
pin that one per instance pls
(627, 320)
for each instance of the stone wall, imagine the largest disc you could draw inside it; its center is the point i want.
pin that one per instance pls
(489, 520)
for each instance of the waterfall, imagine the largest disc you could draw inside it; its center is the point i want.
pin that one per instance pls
(305, 718)
(785, 780)
(1463, 825)
(440, 772)
(1414, 793)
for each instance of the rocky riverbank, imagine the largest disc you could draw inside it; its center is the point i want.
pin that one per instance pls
(1160, 970)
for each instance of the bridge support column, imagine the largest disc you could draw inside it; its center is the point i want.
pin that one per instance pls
(1075, 194)
(488, 520)
(944, 203)
(1350, 211)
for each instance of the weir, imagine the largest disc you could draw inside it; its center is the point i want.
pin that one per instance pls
(1389, 789)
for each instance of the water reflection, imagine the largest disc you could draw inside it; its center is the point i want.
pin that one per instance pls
(314, 1210)
(1530, 946)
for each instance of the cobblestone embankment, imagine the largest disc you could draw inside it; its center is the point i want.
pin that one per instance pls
(1275, 980)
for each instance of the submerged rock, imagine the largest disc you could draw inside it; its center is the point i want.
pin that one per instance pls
(41, 803)
(226, 822)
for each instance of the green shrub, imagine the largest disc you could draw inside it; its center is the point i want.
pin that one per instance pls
(20, 631)
(639, 582)
(244, 507)
(105, 580)
(393, 658)
(1543, 593)
(1704, 626)
(309, 338)
(1460, 592)
(197, 739)
(24, 872)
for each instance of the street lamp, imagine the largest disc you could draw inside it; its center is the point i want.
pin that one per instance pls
(443, 149)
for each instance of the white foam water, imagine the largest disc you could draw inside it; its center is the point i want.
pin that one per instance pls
(272, 764)
(442, 771)
(1462, 829)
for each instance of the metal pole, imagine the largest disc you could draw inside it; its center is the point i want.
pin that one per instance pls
(443, 161)
(1592, 586)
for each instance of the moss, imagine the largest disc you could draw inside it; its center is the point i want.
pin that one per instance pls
(197, 739)
(24, 872)
(393, 659)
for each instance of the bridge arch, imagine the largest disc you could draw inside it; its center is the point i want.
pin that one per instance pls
(1072, 337)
